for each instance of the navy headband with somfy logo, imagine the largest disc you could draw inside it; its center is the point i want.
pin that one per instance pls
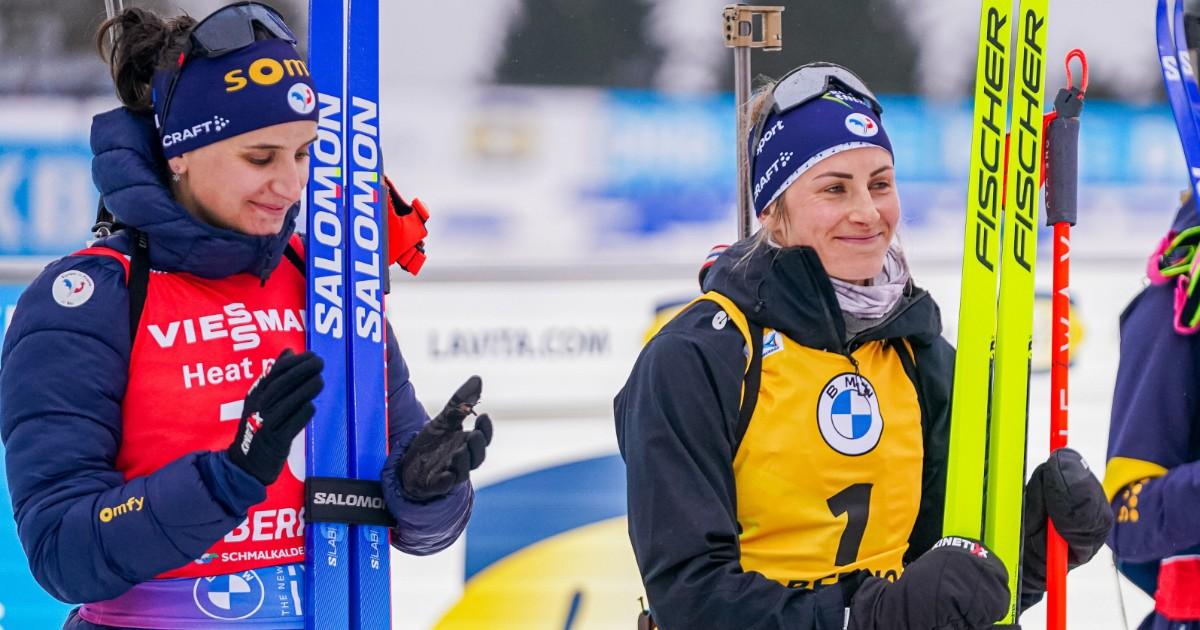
(266, 83)
(793, 142)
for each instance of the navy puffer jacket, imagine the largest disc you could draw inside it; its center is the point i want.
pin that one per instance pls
(64, 376)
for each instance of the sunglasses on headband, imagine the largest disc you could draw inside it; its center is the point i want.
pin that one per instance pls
(807, 83)
(229, 29)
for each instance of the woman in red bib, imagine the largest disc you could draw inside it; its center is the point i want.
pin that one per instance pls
(785, 435)
(154, 384)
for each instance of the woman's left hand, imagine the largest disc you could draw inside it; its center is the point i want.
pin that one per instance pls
(443, 454)
(1063, 489)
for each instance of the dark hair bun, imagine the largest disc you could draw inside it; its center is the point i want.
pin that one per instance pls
(144, 42)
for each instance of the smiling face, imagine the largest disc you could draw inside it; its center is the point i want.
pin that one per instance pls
(846, 208)
(248, 182)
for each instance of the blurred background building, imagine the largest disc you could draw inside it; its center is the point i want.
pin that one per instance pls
(578, 160)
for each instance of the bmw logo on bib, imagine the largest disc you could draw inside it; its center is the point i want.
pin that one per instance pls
(848, 414)
(228, 597)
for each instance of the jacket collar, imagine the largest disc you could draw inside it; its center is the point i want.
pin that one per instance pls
(787, 289)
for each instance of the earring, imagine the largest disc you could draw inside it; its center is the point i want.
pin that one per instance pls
(175, 177)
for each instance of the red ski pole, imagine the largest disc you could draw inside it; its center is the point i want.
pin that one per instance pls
(1062, 168)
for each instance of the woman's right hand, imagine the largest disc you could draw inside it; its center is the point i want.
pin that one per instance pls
(277, 408)
(959, 583)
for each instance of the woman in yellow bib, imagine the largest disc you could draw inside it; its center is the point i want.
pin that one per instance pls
(801, 485)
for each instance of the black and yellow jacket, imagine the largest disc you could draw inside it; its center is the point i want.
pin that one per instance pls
(841, 468)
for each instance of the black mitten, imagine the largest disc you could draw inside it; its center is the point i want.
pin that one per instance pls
(958, 584)
(1064, 489)
(443, 454)
(278, 406)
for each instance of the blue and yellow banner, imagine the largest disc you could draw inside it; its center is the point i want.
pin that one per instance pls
(549, 549)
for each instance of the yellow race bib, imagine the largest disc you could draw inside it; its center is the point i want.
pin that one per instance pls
(829, 471)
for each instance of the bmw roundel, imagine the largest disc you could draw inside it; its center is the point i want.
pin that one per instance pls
(848, 414)
(229, 597)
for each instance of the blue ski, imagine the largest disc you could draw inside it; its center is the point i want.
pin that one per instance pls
(370, 589)
(1180, 82)
(327, 558)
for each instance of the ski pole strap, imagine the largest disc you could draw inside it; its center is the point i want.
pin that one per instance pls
(1175, 258)
(338, 500)
(1187, 301)
(1174, 255)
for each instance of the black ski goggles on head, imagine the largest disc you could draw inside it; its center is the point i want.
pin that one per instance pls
(232, 28)
(228, 29)
(810, 82)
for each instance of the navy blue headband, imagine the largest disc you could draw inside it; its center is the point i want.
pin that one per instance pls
(264, 84)
(795, 141)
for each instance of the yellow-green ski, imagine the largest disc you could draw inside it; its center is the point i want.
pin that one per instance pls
(1014, 334)
(977, 303)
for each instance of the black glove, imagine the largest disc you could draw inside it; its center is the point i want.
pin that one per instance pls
(276, 409)
(1065, 489)
(959, 584)
(443, 454)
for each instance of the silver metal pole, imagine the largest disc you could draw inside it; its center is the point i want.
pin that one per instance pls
(112, 9)
(741, 92)
(741, 35)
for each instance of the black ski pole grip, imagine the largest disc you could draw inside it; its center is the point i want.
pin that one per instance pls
(1062, 165)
